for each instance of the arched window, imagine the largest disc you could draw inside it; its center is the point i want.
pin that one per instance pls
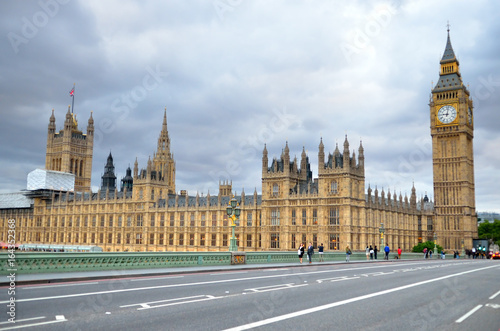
(276, 190)
(333, 187)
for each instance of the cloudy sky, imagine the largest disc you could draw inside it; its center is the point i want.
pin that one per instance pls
(237, 74)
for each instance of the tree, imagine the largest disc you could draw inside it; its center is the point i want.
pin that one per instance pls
(490, 231)
(429, 245)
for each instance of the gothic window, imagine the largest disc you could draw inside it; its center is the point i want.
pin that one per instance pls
(334, 241)
(304, 217)
(333, 217)
(214, 240)
(315, 216)
(275, 217)
(138, 238)
(152, 220)
(249, 240)
(202, 239)
(110, 221)
(275, 240)
(249, 219)
(294, 217)
(275, 190)
(333, 187)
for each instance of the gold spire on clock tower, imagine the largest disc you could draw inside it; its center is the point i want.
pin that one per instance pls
(451, 114)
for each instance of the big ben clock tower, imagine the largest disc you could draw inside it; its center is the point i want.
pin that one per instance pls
(452, 131)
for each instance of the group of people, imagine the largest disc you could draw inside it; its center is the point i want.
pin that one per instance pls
(371, 252)
(310, 252)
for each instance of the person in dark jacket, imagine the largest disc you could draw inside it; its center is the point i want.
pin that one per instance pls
(301, 252)
(320, 251)
(310, 252)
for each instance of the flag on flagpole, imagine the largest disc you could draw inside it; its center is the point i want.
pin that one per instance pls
(72, 92)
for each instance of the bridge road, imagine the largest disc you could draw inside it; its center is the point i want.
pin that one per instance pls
(396, 295)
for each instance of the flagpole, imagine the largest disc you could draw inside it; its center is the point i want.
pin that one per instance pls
(73, 98)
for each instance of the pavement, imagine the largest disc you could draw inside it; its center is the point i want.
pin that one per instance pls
(59, 277)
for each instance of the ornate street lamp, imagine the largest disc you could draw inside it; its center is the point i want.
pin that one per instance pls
(233, 211)
(435, 246)
(381, 230)
(463, 249)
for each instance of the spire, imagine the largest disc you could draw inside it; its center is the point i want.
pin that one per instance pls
(164, 127)
(449, 54)
(321, 155)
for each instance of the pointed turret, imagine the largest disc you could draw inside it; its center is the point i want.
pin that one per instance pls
(449, 54)
(346, 152)
(136, 168)
(361, 155)
(321, 155)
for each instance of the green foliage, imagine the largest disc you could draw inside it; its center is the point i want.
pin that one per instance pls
(429, 245)
(487, 230)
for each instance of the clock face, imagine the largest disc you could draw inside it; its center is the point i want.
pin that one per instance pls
(469, 115)
(447, 114)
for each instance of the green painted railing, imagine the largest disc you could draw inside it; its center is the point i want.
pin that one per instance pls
(31, 262)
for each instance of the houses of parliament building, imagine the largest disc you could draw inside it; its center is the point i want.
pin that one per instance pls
(145, 212)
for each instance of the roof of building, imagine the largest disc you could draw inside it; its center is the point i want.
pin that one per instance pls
(449, 54)
(14, 200)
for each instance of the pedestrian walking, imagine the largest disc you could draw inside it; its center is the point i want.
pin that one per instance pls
(425, 252)
(301, 252)
(430, 253)
(387, 250)
(348, 253)
(320, 252)
(375, 250)
(367, 252)
(371, 252)
(310, 252)
(399, 253)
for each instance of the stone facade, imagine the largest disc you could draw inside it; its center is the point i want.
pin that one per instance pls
(147, 213)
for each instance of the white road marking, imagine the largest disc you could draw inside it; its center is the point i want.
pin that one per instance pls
(461, 319)
(167, 300)
(493, 305)
(494, 295)
(344, 302)
(274, 287)
(336, 279)
(62, 285)
(229, 273)
(24, 320)
(172, 302)
(194, 284)
(59, 318)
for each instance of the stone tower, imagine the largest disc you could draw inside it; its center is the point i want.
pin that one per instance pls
(158, 179)
(70, 150)
(452, 131)
(108, 179)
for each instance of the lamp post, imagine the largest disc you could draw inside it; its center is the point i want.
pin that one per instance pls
(435, 246)
(463, 249)
(233, 211)
(381, 230)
